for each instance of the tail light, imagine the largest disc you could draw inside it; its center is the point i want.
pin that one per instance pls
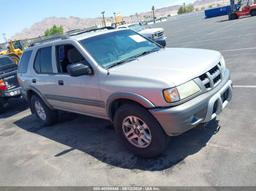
(3, 86)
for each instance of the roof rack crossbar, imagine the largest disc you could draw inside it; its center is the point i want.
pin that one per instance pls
(49, 39)
(90, 30)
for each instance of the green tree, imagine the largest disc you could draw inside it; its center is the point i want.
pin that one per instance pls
(186, 9)
(54, 30)
(189, 8)
(182, 9)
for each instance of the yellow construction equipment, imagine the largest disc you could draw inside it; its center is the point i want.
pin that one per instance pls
(14, 49)
(119, 19)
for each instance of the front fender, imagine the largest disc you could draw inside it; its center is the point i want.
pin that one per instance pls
(129, 96)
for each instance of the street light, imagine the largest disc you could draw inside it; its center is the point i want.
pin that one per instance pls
(103, 17)
(115, 17)
(137, 16)
(153, 12)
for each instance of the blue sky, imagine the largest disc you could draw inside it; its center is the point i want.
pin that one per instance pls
(19, 14)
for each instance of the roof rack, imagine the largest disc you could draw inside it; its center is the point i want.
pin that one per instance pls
(48, 39)
(82, 31)
(67, 35)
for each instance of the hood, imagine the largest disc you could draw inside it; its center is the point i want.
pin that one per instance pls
(172, 66)
(151, 31)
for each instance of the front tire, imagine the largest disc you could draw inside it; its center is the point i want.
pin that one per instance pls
(139, 131)
(253, 12)
(42, 111)
(233, 16)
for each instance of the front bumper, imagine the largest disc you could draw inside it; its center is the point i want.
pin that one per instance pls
(161, 41)
(15, 92)
(179, 119)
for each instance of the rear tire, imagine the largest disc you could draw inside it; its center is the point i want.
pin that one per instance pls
(253, 12)
(42, 111)
(151, 140)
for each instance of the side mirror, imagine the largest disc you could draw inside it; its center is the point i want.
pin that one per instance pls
(79, 69)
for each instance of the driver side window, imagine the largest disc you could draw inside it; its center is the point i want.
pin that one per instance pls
(66, 55)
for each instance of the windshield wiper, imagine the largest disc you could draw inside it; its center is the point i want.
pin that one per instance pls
(145, 53)
(122, 62)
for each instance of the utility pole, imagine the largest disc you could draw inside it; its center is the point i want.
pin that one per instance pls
(115, 17)
(137, 15)
(103, 18)
(153, 12)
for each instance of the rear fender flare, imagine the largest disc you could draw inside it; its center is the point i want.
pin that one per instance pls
(37, 92)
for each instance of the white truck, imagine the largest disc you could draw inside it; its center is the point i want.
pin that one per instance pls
(155, 34)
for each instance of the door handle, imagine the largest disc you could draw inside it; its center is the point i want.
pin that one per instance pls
(34, 81)
(61, 82)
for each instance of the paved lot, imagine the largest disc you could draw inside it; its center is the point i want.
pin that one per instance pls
(85, 151)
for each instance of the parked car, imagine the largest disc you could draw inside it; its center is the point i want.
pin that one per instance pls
(155, 34)
(9, 87)
(148, 92)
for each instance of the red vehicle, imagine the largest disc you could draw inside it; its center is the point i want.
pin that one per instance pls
(244, 10)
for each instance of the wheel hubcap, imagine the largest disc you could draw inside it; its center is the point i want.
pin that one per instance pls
(136, 131)
(40, 110)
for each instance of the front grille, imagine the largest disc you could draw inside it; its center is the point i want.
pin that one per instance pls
(211, 78)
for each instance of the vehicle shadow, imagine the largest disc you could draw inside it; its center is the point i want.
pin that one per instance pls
(15, 105)
(225, 20)
(95, 137)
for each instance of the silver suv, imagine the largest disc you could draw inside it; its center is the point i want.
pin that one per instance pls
(148, 92)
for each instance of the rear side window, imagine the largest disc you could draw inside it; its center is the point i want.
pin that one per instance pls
(43, 61)
(23, 64)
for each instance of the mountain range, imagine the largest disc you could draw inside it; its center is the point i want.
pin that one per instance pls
(70, 23)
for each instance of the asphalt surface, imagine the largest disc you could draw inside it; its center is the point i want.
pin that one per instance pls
(84, 151)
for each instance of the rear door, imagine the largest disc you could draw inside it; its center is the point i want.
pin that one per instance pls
(43, 75)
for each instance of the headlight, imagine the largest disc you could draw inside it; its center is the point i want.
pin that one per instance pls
(181, 92)
(222, 62)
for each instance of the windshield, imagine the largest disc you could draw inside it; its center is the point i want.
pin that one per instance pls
(117, 47)
(5, 61)
(17, 45)
(137, 27)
